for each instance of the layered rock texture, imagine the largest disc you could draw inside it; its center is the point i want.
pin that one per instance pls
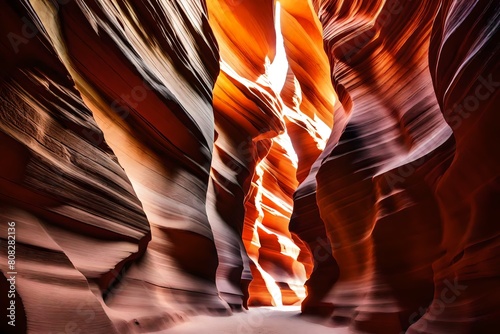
(410, 221)
(163, 158)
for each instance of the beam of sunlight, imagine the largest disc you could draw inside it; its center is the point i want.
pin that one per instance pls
(271, 285)
(278, 69)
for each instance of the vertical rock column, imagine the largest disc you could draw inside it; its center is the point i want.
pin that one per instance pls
(376, 182)
(247, 116)
(147, 70)
(76, 217)
(464, 55)
(311, 104)
(252, 170)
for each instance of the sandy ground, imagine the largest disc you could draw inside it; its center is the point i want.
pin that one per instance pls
(262, 320)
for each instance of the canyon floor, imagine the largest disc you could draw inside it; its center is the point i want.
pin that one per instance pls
(260, 320)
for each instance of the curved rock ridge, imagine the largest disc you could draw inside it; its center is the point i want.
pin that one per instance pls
(255, 166)
(78, 221)
(163, 158)
(400, 215)
(464, 65)
(247, 114)
(148, 86)
(311, 105)
(186, 156)
(375, 184)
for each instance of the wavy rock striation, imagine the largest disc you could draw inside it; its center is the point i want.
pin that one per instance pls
(149, 88)
(391, 186)
(78, 220)
(254, 167)
(166, 158)
(464, 66)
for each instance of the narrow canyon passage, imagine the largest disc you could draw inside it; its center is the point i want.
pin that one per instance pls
(249, 166)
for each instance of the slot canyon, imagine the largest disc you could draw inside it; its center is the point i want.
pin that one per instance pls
(250, 166)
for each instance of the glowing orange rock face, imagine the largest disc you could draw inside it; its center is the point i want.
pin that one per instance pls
(188, 156)
(255, 166)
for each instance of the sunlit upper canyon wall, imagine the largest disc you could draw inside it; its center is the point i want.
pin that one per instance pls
(168, 158)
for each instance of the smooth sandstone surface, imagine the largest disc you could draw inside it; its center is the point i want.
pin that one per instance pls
(163, 159)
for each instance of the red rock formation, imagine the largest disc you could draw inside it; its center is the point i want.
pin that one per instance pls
(369, 211)
(311, 102)
(171, 157)
(253, 170)
(155, 111)
(243, 111)
(464, 66)
(384, 184)
(77, 219)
